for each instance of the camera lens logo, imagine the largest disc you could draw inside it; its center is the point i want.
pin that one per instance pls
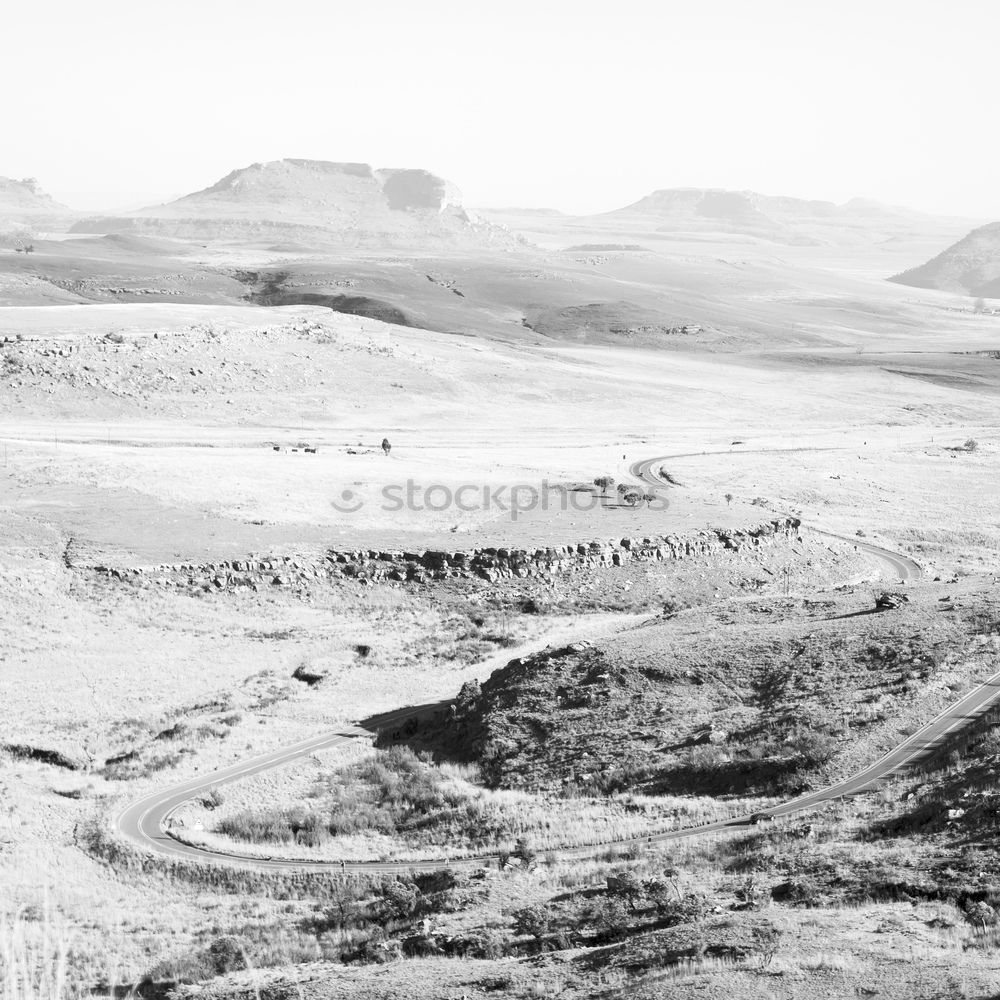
(349, 502)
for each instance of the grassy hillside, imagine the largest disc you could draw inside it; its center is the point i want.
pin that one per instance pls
(971, 266)
(750, 697)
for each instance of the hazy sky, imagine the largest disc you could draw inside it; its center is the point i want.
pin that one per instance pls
(583, 106)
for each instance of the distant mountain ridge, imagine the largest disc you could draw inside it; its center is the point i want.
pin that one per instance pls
(971, 266)
(779, 218)
(297, 198)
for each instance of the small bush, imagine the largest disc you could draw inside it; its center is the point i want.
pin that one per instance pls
(625, 885)
(800, 891)
(399, 899)
(268, 826)
(212, 799)
(611, 919)
(980, 914)
(533, 921)
(228, 954)
(395, 791)
(525, 851)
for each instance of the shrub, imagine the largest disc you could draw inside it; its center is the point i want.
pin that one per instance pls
(752, 895)
(420, 946)
(980, 914)
(488, 943)
(212, 799)
(525, 851)
(766, 939)
(11, 362)
(400, 899)
(267, 826)
(706, 757)
(626, 886)
(375, 947)
(685, 910)
(441, 880)
(660, 893)
(801, 891)
(814, 748)
(228, 954)
(533, 921)
(611, 919)
(396, 791)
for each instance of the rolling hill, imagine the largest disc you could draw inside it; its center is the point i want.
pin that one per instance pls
(347, 204)
(970, 266)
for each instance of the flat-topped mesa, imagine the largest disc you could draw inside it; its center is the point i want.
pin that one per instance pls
(488, 563)
(322, 184)
(776, 218)
(337, 203)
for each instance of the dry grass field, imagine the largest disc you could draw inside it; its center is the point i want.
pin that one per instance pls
(143, 430)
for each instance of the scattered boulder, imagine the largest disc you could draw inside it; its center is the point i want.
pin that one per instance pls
(310, 673)
(887, 601)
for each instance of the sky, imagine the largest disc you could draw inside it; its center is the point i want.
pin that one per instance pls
(580, 106)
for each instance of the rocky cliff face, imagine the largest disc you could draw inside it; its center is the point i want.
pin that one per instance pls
(418, 190)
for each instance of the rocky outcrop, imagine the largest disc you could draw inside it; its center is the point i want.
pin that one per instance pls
(24, 204)
(489, 564)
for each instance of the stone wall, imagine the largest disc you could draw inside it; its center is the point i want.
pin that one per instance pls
(490, 564)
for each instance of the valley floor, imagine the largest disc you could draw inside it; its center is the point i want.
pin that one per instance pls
(181, 440)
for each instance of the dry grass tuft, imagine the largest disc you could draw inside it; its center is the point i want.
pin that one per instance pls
(34, 958)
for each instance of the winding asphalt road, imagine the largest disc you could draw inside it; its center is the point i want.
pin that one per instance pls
(902, 567)
(146, 822)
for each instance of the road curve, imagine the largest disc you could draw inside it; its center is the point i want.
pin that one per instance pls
(900, 566)
(145, 822)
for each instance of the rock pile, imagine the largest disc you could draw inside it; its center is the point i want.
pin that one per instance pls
(490, 564)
